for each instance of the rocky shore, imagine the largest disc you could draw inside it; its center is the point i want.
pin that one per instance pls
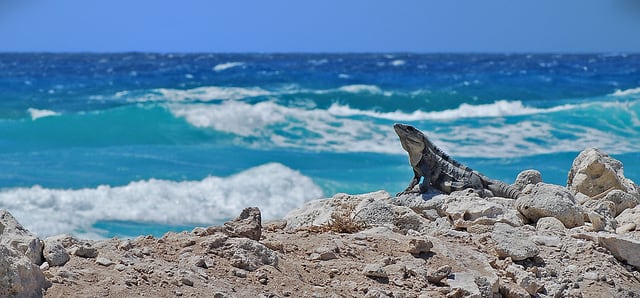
(578, 240)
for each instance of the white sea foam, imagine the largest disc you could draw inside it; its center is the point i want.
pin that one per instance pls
(361, 89)
(626, 92)
(268, 125)
(228, 65)
(37, 114)
(273, 187)
(398, 62)
(209, 93)
(499, 108)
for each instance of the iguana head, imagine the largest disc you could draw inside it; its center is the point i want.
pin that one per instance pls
(412, 140)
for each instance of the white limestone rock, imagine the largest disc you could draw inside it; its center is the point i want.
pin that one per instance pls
(319, 212)
(527, 177)
(19, 276)
(249, 254)
(54, 252)
(593, 173)
(623, 248)
(466, 210)
(15, 236)
(544, 200)
(511, 242)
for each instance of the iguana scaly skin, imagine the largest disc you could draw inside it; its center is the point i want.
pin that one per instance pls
(443, 172)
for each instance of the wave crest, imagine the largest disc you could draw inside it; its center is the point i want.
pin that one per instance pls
(228, 65)
(499, 108)
(273, 187)
(37, 114)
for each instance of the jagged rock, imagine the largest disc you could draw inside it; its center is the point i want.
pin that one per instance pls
(550, 224)
(406, 219)
(467, 209)
(472, 261)
(376, 213)
(593, 172)
(464, 281)
(19, 276)
(54, 252)
(319, 212)
(509, 290)
(629, 216)
(622, 200)
(104, 261)
(85, 251)
(623, 248)
(249, 254)
(247, 225)
(511, 242)
(526, 280)
(14, 235)
(527, 177)
(439, 274)
(418, 246)
(374, 271)
(544, 200)
(601, 215)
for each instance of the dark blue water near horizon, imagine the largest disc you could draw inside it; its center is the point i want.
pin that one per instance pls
(135, 143)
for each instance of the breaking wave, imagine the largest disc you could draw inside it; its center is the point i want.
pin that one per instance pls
(500, 108)
(228, 65)
(481, 130)
(272, 187)
(37, 114)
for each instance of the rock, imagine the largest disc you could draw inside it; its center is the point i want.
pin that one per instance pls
(104, 261)
(319, 212)
(621, 200)
(593, 172)
(511, 242)
(19, 276)
(544, 200)
(622, 248)
(625, 228)
(249, 254)
(405, 219)
(525, 280)
(510, 290)
(550, 224)
(247, 225)
(325, 253)
(376, 213)
(439, 274)
(629, 216)
(464, 281)
(418, 246)
(527, 177)
(86, 251)
(374, 271)
(468, 209)
(55, 253)
(15, 236)
(474, 262)
(45, 266)
(551, 241)
(601, 215)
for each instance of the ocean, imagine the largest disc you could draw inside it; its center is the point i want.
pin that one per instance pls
(128, 144)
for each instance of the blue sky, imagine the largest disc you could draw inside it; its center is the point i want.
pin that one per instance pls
(320, 26)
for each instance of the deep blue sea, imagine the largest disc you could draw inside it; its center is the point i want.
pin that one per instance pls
(102, 145)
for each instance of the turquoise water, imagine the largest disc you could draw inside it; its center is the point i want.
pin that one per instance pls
(128, 144)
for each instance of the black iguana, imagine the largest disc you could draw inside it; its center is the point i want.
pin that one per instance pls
(443, 172)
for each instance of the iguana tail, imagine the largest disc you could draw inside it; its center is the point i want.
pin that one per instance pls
(501, 189)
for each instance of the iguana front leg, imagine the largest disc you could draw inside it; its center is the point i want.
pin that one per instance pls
(424, 186)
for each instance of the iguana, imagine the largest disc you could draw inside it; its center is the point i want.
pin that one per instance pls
(443, 172)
